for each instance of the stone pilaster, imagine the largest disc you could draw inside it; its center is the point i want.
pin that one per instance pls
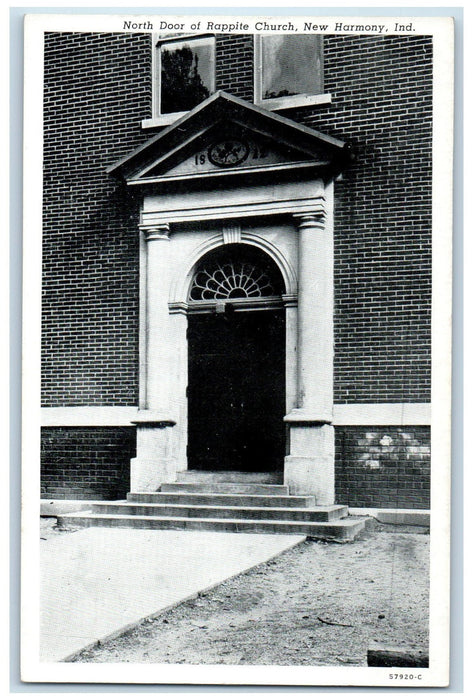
(315, 319)
(309, 468)
(157, 316)
(156, 459)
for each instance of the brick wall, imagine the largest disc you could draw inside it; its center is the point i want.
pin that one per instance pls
(86, 463)
(381, 91)
(97, 91)
(386, 467)
(232, 51)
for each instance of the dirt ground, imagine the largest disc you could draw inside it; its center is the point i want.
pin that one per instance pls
(317, 604)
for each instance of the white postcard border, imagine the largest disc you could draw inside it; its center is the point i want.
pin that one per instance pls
(437, 674)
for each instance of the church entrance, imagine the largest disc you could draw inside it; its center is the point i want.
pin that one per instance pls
(236, 363)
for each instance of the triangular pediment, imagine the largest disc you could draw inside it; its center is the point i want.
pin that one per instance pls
(227, 136)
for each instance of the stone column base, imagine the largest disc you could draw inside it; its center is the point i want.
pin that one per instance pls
(155, 460)
(148, 475)
(310, 468)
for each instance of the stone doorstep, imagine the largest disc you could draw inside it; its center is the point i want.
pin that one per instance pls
(213, 477)
(222, 487)
(322, 522)
(404, 516)
(235, 512)
(337, 530)
(223, 499)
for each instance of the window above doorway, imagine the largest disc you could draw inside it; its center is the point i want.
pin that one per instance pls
(184, 75)
(289, 70)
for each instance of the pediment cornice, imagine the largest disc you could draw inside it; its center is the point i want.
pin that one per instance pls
(224, 136)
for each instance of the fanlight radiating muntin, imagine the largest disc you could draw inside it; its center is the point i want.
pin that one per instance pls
(231, 279)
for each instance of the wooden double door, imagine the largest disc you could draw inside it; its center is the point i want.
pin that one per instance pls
(236, 390)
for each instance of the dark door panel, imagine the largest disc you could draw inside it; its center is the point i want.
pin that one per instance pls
(237, 391)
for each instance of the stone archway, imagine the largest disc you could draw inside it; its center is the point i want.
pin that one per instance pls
(305, 242)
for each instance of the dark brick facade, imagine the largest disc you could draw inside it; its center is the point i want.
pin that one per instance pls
(235, 51)
(86, 463)
(381, 91)
(97, 89)
(383, 467)
(381, 102)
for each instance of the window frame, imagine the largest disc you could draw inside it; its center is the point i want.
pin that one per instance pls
(288, 101)
(272, 105)
(158, 41)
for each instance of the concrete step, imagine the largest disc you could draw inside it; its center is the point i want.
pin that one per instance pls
(313, 514)
(223, 499)
(213, 477)
(338, 530)
(269, 489)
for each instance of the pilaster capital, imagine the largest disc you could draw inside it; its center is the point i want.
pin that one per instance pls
(155, 232)
(310, 220)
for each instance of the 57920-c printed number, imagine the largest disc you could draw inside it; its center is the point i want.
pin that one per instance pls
(405, 676)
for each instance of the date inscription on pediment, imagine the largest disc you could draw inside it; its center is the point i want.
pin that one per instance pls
(235, 152)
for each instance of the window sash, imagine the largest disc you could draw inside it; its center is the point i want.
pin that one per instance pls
(161, 43)
(297, 99)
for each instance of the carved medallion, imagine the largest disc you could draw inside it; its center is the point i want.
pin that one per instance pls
(228, 153)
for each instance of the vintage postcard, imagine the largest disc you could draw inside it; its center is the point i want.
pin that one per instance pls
(236, 378)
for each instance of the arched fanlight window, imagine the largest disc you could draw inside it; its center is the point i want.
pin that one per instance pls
(236, 272)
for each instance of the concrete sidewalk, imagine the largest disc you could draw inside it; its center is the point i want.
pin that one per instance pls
(97, 582)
